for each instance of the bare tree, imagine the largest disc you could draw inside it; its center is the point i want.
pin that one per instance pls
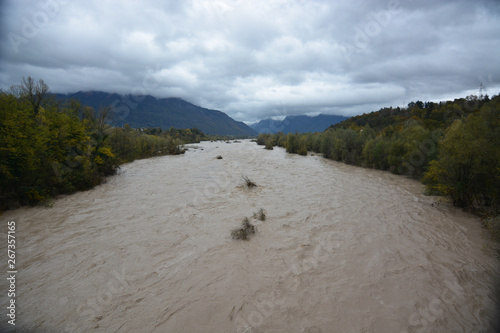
(103, 116)
(33, 92)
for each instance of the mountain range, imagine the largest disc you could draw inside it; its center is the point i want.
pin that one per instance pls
(148, 111)
(300, 124)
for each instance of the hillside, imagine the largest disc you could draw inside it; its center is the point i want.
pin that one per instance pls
(148, 111)
(300, 124)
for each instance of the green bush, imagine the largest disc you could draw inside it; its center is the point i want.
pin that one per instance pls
(269, 144)
(468, 163)
(262, 138)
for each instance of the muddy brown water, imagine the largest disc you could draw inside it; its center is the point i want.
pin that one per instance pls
(342, 249)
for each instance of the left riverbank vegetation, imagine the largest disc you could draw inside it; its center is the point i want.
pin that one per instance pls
(49, 147)
(453, 147)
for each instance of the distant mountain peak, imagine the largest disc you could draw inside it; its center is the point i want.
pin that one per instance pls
(297, 123)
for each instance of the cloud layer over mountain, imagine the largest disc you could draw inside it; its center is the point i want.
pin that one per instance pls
(257, 59)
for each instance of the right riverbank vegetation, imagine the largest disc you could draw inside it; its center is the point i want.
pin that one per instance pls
(49, 147)
(453, 147)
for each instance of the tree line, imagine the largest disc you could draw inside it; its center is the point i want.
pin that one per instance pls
(49, 147)
(452, 147)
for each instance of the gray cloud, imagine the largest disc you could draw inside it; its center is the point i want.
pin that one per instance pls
(255, 59)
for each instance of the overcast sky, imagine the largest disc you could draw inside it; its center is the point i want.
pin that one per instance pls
(256, 59)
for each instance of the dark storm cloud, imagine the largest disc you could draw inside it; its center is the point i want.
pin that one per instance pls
(254, 59)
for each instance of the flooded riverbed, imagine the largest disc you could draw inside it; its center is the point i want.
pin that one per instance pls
(342, 249)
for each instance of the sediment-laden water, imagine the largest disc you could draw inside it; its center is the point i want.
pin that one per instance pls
(342, 249)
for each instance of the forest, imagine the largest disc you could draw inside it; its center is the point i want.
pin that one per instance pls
(452, 147)
(49, 147)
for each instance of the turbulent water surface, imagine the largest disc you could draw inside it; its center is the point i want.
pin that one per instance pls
(342, 249)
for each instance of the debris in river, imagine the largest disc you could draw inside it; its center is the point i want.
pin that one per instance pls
(248, 182)
(219, 157)
(260, 215)
(245, 231)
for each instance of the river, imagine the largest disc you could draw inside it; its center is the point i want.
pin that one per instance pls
(342, 249)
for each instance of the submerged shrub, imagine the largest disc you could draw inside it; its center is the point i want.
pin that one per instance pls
(260, 215)
(245, 231)
(248, 182)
